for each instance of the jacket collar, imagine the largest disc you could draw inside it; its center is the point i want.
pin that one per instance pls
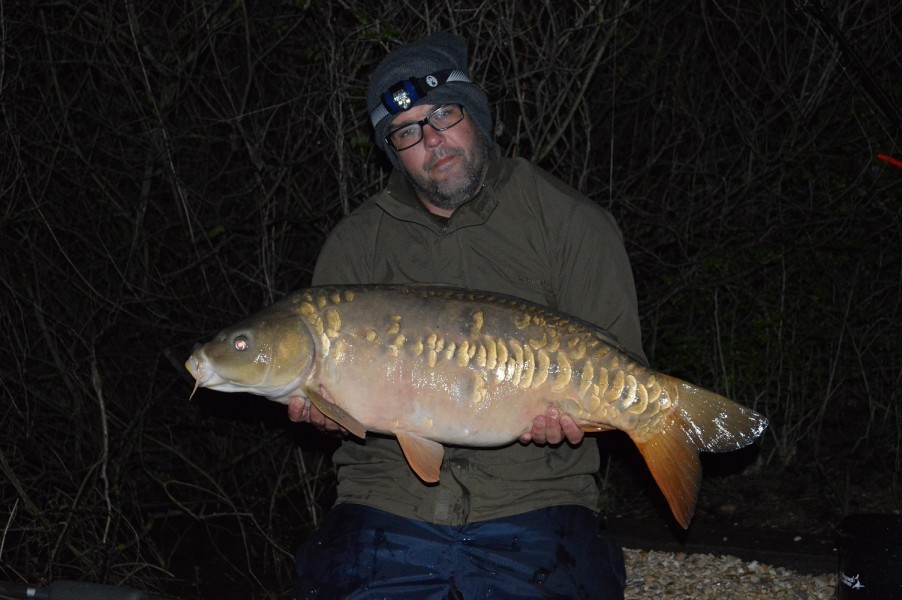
(400, 201)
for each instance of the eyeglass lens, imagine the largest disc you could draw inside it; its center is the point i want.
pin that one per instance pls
(442, 118)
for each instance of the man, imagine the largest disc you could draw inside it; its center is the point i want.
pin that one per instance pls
(513, 522)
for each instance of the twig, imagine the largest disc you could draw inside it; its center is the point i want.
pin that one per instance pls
(9, 520)
(105, 445)
(20, 489)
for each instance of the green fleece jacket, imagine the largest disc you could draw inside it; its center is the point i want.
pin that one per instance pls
(525, 234)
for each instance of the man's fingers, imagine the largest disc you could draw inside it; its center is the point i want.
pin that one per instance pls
(553, 433)
(297, 409)
(300, 410)
(537, 433)
(571, 430)
(553, 428)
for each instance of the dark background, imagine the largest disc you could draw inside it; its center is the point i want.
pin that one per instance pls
(168, 168)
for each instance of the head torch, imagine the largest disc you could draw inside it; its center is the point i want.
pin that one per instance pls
(404, 94)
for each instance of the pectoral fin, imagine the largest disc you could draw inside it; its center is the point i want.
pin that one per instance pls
(424, 456)
(336, 413)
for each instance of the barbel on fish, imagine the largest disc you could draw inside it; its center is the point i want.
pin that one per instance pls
(433, 366)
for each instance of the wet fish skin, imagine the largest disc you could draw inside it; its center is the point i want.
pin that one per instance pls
(439, 365)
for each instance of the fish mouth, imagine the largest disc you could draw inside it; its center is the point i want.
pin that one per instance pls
(196, 367)
(200, 369)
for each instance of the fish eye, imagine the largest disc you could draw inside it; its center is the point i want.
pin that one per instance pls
(240, 343)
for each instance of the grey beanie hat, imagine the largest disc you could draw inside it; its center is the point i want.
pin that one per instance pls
(440, 55)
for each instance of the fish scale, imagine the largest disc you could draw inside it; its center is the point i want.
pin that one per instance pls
(437, 366)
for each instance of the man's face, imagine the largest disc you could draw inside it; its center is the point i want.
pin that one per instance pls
(447, 167)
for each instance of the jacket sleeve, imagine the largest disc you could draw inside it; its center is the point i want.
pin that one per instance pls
(597, 278)
(592, 276)
(343, 258)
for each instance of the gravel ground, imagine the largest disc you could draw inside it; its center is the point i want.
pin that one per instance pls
(665, 575)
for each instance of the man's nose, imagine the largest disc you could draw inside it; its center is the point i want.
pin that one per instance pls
(432, 136)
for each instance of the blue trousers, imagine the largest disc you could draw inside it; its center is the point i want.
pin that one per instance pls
(365, 553)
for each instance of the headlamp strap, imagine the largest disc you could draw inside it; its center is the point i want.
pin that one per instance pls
(404, 94)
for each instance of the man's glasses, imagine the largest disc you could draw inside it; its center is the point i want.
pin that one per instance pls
(442, 118)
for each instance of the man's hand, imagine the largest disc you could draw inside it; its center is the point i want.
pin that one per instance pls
(300, 410)
(553, 428)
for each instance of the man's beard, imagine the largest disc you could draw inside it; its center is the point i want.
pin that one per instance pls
(452, 194)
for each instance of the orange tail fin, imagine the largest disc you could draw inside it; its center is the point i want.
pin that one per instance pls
(701, 421)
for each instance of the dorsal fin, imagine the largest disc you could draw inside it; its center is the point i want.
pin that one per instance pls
(424, 456)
